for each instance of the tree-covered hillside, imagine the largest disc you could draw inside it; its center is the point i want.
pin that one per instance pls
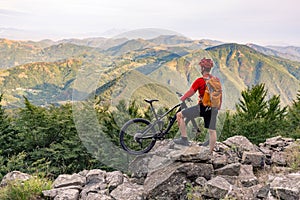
(45, 140)
(168, 61)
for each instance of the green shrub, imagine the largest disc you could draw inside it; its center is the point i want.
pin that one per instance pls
(256, 117)
(30, 189)
(293, 156)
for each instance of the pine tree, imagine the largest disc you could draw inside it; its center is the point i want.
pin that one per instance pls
(294, 115)
(7, 134)
(253, 104)
(257, 117)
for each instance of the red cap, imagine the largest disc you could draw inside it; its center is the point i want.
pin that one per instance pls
(206, 63)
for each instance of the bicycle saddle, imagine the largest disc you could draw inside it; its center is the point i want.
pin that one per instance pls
(150, 100)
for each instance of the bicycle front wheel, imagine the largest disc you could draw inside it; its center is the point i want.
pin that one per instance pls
(136, 137)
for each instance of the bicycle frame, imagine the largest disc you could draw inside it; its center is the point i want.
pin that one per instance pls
(158, 120)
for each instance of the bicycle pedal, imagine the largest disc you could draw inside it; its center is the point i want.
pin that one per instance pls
(160, 136)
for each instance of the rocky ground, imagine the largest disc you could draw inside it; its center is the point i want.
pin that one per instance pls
(237, 169)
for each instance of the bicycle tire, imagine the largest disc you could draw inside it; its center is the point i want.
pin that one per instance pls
(127, 140)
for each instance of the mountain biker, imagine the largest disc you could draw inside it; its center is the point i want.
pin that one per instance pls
(208, 113)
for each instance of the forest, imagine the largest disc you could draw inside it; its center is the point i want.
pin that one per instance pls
(44, 140)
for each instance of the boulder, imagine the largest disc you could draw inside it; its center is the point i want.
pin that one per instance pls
(170, 182)
(69, 194)
(256, 159)
(240, 143)
(163, 157)
(201, 181)
(219, 160)
(114, 179)
(95, 176)
(14, 176)
(56, 191)
(98, 196)
(279, 158)
(230, 170)
(263, 192)
(247, 177)
(277, 143)
(217, 188)
(194, 153)
(92, 188)
(286, 187)
(128, 191)
(66, 180)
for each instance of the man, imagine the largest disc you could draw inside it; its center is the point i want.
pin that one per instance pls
(208, 113)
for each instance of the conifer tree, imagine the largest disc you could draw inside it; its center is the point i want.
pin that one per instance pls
(257, 117)
(253, 104)
(294, 115)
(7, 134)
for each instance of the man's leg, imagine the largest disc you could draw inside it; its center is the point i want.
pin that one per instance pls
(181, 124)
(182, 127)
(212, 129)
(212, 139)
(189, 113)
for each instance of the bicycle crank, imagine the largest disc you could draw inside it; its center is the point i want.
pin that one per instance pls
(138, 139)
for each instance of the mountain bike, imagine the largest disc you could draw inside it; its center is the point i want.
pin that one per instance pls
(139, 135)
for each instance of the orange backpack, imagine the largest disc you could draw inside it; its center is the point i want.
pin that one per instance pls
(213, 92)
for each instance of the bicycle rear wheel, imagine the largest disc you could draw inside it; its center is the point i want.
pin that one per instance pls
(133, 137)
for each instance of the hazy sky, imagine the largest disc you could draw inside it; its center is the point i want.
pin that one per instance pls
(243, 21)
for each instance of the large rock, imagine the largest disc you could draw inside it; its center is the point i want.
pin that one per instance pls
(114, 179)
(164, 156)
(247, 177)
(230, 170)
(256, 159)
(217, 188)
(170, 182)
(240, 143)
(98, 196)
(278, 142)
(139, 166)
(57, 191)
(66, 180)
(279, 158)
(128, 191)
(68, 194)
(95, 176)
(219, 160)
(194, 153)
(92, 188)
(263, 192)
(146, 163)
(14, 176)
(286, 187)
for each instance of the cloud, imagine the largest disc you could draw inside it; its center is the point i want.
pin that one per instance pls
(216, 19)
(12, 13)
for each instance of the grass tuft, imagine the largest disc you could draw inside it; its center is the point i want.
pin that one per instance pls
(30, 189)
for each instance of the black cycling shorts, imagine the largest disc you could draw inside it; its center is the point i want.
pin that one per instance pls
(209, 115)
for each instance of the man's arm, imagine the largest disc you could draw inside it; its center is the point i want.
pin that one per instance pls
(188, 94)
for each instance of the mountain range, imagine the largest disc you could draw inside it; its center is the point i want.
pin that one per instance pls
(117, 68)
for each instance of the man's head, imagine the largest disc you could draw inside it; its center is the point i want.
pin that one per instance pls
(206, 64)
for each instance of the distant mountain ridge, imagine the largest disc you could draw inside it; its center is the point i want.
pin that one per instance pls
(169, 61)
(240, 66)
(290, 53)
